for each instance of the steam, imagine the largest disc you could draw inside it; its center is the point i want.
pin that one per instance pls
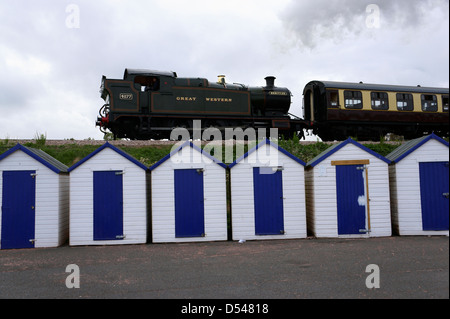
(313, 21)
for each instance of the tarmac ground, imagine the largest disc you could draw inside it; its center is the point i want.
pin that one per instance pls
(405, 268)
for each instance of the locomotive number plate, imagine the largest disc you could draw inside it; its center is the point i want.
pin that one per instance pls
(126, 96)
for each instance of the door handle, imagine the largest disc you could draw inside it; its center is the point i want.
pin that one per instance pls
(445, 195)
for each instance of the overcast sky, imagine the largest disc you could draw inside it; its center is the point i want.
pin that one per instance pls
(53, 53)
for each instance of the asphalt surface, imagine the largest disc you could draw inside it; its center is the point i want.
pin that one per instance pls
(409, 267)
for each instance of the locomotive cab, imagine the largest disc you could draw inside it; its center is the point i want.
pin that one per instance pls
(129, 98)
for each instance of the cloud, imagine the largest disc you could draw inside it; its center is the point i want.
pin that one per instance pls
(312, 22)
(52, 61)
(51, 67)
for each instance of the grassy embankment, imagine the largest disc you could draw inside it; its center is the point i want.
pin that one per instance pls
(69, 154)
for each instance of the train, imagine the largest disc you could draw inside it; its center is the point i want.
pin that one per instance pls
(149, 104)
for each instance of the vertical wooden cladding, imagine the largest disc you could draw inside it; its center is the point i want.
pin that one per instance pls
(267, 198)
(189, 201)
(346, 195)
(418, 184)
(34, 195)
(108, 199)
(347, 191)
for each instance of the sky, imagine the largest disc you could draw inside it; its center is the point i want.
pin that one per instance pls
(53, 53)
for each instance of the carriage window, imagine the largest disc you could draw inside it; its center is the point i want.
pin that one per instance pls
(379, 101)
(429, 103)
(405, 102)
(445, 103)
(353, 99)
(333, 99)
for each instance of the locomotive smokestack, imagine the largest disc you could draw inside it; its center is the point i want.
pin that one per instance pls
(270, 81)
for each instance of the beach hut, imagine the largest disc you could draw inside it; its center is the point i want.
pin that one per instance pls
(108, 199)
(188, 192)
(268, 194)
(347, 191)
(419, 181)
(34, 199)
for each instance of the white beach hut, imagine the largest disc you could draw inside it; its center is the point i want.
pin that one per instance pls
(188, 197)
(108, 199)
(34, 199)
(419, 183)
(268, 194)
(347, 191)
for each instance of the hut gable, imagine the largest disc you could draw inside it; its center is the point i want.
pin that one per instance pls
(35, 186)
(108, 184)
(348, 171)
(418, 179)
(38, 155)
(188, 197)
(411, 146)
(267, 194)
(337, 147)
(112, 148)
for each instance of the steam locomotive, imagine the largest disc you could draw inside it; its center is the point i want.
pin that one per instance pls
(149, 104)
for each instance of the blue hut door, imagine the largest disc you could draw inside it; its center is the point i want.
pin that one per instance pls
(268, 199)
(434, 195)
(108, 205)
(189, 203)
(351, 199)
(18, 209)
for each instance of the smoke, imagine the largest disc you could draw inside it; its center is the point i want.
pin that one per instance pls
(312, 21)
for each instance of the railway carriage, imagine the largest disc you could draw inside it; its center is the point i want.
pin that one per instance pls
(368, 111)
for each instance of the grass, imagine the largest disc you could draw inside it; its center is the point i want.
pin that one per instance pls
(69, 154)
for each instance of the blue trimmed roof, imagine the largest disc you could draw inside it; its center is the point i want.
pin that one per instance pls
(39, 155)
(404, 150)
(333, 149)
(117, 150)
(188, 143)
(264, 142)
